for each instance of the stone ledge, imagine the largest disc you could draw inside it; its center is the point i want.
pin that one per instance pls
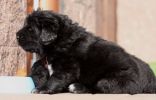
(68, 96)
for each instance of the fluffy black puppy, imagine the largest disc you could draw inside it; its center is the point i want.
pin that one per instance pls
(80, 60)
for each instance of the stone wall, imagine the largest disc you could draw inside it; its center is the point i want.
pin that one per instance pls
(12, 14)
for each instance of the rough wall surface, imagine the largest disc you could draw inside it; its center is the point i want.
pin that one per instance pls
(12, 14)
(81, 11)
(137, 27)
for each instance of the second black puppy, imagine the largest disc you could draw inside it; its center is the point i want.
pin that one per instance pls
(80, 60)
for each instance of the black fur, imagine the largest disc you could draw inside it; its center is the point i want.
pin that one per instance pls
(78, 57)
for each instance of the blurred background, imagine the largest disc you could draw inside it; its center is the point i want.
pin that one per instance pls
(129, 23)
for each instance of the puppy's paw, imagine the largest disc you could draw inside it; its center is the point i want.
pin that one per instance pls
(46, 92)
(38, 91)
(77, 88)
(35, 91)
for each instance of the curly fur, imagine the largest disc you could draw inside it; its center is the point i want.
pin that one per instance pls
(91, 64)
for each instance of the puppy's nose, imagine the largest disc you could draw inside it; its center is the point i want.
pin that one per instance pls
(18, 35)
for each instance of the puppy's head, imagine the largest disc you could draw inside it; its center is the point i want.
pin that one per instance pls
(40, 29)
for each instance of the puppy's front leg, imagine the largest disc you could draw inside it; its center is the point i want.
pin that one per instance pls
(57, 83)
(65, 72)
(39, 73)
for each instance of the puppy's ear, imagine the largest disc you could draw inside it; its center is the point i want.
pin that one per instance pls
(47, 36)
(49, 26)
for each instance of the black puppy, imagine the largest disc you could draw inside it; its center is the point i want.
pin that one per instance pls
(81, 61)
